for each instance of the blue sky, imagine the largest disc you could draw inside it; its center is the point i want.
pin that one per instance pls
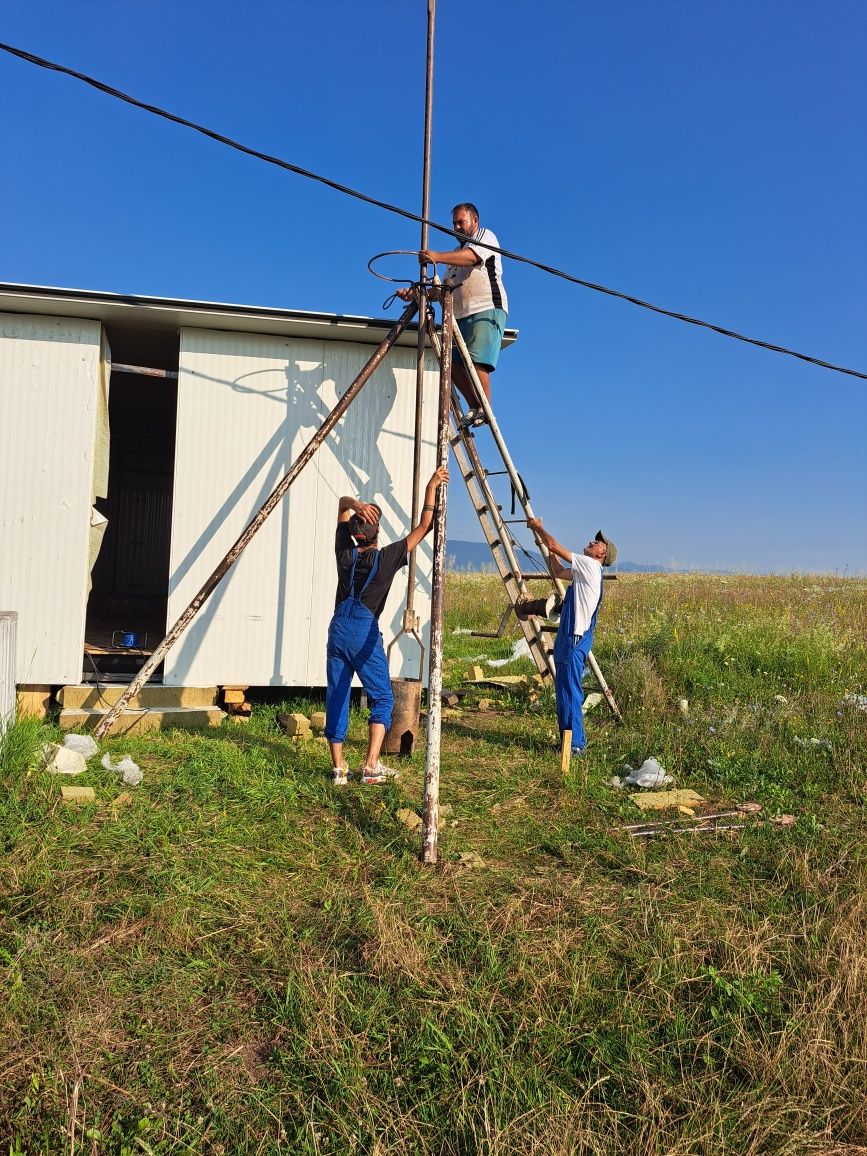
(707, 156)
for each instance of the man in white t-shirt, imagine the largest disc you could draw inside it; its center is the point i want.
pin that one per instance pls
(481, 305)
(577, 622)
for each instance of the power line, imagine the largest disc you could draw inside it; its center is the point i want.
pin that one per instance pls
(41, 62)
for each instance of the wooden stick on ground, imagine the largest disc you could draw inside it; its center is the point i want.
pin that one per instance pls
(566, 752)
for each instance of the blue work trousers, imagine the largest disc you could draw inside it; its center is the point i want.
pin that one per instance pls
(570, 657)
(355, 647)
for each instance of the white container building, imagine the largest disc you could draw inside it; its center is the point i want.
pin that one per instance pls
(121, 492)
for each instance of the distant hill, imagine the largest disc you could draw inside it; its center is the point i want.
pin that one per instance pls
(476, 557)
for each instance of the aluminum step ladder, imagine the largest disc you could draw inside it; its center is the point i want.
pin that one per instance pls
(496, 528)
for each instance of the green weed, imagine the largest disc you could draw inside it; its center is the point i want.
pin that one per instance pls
(244, 959)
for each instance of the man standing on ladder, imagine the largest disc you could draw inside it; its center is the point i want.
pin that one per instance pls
(481, 305)
(364, 578)
(577, 622)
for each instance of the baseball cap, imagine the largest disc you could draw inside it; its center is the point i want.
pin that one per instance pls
(610, 549)
(363, 531)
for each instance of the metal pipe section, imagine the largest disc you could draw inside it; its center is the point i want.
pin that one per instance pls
(258, 520)
(430, 813)
(410, 621)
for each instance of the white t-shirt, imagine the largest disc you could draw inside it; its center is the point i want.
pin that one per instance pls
(587, 586)
(479, 287)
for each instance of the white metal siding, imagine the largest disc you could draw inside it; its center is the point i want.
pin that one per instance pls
(49, 373)
(247, 406)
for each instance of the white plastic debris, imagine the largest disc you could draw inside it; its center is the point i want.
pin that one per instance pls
(683, 706)
(781, 699)
(84, 744)
(649, 774)
(62, 761)
(858, 701)
(521, 649)
(615, 782)
(590, 701)
(131, 772)
(815, 744)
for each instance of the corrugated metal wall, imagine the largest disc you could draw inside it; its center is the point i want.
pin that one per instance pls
(247, 405)
(49, 373)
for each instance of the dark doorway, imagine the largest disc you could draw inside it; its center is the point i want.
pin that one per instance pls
(130, 578)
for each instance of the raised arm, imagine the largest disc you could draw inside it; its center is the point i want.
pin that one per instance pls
(426, 520)
(553, 547)
(463, 257)
(346, 507)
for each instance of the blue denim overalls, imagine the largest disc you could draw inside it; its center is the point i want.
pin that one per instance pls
(570, 655)
(355, 647)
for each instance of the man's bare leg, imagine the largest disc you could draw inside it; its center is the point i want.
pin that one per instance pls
(376, 737)
(336, 755)
(466, 386)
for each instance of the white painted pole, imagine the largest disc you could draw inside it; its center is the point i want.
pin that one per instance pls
(8, 638)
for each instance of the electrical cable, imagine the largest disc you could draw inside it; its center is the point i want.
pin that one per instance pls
(41, 62)
(142, 710)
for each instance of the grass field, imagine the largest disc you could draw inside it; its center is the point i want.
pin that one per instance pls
(246, 960)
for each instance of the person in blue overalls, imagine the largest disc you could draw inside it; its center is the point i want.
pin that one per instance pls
(364, 577)
(577, 622)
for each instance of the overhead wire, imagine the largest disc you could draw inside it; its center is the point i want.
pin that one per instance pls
(53, 66)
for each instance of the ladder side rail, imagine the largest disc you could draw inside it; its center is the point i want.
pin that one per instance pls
(499, 542)
(603, 686)
(525, 503)
(517, 484)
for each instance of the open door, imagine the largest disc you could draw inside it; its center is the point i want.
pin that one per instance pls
(52, 395)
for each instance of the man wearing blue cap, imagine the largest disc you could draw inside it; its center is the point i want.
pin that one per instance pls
(577, 622)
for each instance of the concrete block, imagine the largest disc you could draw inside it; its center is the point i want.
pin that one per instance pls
(78, 795)
(138, 722)
(297, 726)
(33, 701)
(87, 697)
(317, 720)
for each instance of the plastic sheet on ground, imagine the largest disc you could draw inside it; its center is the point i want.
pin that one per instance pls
(84, 745)
(520, 649)
(131, 772)
(649, 774)
(59, 760)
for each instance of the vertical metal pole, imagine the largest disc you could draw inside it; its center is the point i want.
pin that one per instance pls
(430, 814)
(428, 115)
(268, 506)
(409, 619)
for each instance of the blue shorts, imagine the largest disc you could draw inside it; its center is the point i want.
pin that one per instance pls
(483, 333)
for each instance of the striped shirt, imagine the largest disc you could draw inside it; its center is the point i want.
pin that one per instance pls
(479, 287)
